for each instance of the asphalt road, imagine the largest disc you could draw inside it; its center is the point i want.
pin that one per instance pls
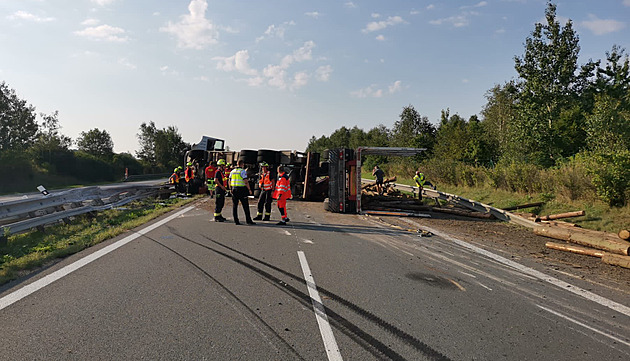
(327, 286)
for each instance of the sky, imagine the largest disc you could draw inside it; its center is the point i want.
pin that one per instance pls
(271, 74)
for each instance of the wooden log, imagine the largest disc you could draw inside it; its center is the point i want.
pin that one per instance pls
(523, 206)
(616, 260)
(464, 213)
(599, 240)
(561, 215)
(624, 234)
(575, 249)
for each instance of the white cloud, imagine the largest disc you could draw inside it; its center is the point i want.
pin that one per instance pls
(23, 15)
(465, 81)
(373, 92)
(125, 63)
(104, 33)
(350, 5)
(380, 25)
(626, 2)
(275, 75)
(300, 79)
(602, 26)
(274, 31)
(380, 37)
(237, 62)
(430, 7)
(414, 12)
(376, 15)
(90, 22)
(193, 31)
(478, 5)
(323, 73)
(395, 87)
(103, 2)
(302, 54)
(457, 21)
(313, 14)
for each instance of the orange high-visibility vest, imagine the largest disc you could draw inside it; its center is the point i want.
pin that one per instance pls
(189, 173)
(265, 182)
(174, 179)
(283, 186)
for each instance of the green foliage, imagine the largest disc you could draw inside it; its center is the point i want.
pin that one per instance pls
(160, 149)
(18, 128)
(610, 174)
(97, 143)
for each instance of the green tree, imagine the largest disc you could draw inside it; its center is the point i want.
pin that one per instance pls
(18, 128)
(50, 145)
(413, 130)
(549, 104)
(498, 118)
(146, 138)
(452, 137)
(160, 149)
(97, 143)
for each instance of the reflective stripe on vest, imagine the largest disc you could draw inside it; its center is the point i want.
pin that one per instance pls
(265, 182)
(236, 178)
(283, 184)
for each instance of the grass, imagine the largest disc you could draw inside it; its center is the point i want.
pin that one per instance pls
(599, 216)
(27, 251)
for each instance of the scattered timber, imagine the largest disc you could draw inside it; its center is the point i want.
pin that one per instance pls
(465, 213)
(599, 240)
(523, 206)
(575, 249)
(560, 216)
(624, 234)
(616, 260)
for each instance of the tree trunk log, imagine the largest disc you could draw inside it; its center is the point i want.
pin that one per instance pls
(562, 215)
(624, 234)
(616, 260)
(575, 249)
(599, 240)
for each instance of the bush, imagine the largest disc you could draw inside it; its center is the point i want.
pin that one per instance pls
(610, 174)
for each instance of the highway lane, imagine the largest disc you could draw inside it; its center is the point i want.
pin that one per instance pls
(194, 289)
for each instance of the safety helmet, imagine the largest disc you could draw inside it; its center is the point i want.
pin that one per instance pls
(175, 170)
(179, 168)
(264, 164)
(189, 164)
(229, 164)
(221, 162)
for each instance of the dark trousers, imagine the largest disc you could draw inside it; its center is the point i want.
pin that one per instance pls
(265, 201)
(240, 194)
(219, 202)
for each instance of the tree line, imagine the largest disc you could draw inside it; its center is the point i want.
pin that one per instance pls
(557, 114)
(33, 151)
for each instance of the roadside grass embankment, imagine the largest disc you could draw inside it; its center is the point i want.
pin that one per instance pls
(599, 216)
(27, 251)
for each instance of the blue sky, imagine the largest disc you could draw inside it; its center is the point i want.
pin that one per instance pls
(273, 73)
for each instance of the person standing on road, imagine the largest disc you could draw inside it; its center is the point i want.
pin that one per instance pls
(221, 191)
(282, 193)
(379, 174)
(266, 183)
(189, 175)
(210, 172)
(421, 181)
(240, 191)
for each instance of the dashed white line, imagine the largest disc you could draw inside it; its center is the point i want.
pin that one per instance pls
(17, 295)
(330, 343)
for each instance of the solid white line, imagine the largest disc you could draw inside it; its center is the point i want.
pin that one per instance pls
(17, 295)
(539, 275)
(584, 325)
(332, 350)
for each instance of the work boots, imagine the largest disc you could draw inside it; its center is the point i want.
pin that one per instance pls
(258, 217)
(266, 218)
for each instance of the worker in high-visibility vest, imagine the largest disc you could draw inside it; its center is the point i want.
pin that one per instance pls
(174, 178)
(282, 193)
(227, 171)
(239, 186)
(266, 182)
(189, 175)
(421, 181)
(221, 191)
(210, 171)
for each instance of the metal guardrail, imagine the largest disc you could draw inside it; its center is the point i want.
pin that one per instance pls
(468, 203)
(24, 214)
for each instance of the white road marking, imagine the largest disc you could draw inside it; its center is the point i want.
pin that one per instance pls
(306, 241)
(330, 343)
(584, 325)
(484, 286)
(287, 232)
(468, 274)
(17, 295)
(539, 275)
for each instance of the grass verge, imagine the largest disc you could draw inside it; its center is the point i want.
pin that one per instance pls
(27, 251)
(599, 216)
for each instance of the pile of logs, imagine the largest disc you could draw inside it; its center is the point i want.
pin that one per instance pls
(612, 248)
(388, 189)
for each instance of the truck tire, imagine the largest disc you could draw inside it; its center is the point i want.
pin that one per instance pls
(269, 156)
(248, 156)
